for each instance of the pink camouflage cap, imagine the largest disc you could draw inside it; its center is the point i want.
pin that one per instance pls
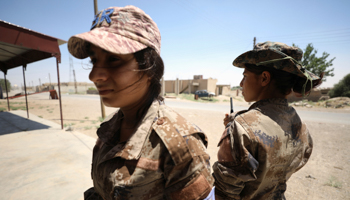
(119, 30)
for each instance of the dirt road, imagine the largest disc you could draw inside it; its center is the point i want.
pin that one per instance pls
(325, 176)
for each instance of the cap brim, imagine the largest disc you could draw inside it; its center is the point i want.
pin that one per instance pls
(313, 76)
(111, 42)
(254, 57)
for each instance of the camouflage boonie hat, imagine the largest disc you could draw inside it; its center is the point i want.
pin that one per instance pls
(119, 30)
(277, 55)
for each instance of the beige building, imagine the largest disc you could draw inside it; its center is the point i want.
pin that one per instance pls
(190, 86)
(223, 90)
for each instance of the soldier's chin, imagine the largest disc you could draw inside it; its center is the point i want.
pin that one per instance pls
(107, 102)
(247, 100)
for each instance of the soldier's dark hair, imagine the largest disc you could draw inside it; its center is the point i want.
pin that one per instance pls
(284, 82)
(150, 64)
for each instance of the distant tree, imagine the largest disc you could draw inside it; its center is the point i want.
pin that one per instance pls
(315, 64)
(2, 84)
(341, 89)
(235, 87)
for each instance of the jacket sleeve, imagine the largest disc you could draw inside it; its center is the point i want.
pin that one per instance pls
(188, 178)
(235, 165)
(307, 147)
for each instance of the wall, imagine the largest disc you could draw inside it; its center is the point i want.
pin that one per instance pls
(223, 89)
(211, 85)
(203, 84)
(169, 86)
(315, 95)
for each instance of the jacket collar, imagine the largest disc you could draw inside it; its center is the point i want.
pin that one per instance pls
(275, 101)
(131, 149)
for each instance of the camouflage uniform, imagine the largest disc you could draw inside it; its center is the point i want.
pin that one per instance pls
(263, 146)
(259, 151)
(166, 156)
(164, 159)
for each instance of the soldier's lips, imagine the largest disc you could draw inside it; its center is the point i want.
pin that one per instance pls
(105, 92)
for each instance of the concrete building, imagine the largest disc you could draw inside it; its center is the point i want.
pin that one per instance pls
(223, 90)
(190, 86)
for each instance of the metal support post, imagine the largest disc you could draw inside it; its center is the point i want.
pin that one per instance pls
(25, 88)
(59, 92)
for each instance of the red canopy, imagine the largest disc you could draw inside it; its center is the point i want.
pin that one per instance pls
(20, 46)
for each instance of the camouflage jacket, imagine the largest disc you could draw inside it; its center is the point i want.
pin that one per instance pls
(164, 159)
(259, 151)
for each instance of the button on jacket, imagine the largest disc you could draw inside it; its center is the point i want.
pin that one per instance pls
(164, 159)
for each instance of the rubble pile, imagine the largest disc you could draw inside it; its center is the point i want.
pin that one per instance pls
(301, 104)
(337, 102)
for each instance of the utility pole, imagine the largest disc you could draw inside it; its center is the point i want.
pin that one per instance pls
(163, 86)
(50, 79)
(39, 87)
(103, 112)
(75, 82)
(177, 86)
(71, 69)
(95, 7)
(254, 42)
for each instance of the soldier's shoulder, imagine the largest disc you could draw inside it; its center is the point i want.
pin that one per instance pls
(169, 120)
(173, 130)
(243, 115)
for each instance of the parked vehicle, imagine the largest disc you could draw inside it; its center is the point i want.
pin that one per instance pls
(204, 93)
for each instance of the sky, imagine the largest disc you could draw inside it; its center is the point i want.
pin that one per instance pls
(199, 37)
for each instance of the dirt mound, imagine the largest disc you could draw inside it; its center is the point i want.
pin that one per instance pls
(337, 102)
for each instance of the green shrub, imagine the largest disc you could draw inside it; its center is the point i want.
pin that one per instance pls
(341, 89)
(18, 108)
(2, 84)
(100, 119)
(92, 88)
(333, 182)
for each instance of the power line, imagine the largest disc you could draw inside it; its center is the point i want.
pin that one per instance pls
(312, 37)
(307, 33)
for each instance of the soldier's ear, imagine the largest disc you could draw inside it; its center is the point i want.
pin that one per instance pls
(265, 78)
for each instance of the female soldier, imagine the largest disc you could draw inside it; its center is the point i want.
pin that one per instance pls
(145, 150)
(264, 145)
